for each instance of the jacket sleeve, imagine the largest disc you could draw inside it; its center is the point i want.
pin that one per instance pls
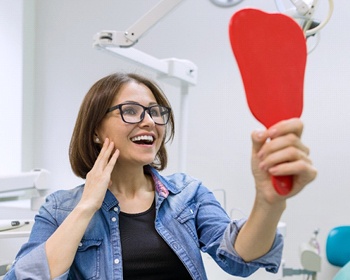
(218, 233)
(31, 261)
(226, 252)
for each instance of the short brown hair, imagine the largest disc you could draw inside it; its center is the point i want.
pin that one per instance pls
(83, 151)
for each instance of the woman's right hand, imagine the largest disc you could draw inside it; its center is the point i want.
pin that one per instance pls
(99, 177)
(62, 245)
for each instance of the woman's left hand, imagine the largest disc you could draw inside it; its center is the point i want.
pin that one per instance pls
(278, 151)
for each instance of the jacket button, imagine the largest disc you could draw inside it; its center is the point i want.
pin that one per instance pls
(116, 261)
(114, 219)
(176, 246)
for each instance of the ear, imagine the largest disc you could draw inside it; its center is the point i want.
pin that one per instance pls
(97, 139)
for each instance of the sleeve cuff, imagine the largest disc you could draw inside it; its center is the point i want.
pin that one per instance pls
(33, 264)
(270, 261)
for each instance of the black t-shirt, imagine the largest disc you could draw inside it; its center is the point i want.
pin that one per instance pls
(146, 256)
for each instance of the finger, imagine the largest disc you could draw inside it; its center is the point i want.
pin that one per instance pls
(103, 149)
(296, 167)
(287, 155)
(106, 151)
(302, 172)
(284, 127)
(112, 161)
(258, 137)
(281, 143)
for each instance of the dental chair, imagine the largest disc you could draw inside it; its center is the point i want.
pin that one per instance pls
(338, 251)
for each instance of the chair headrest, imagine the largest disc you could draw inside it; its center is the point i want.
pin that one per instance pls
(338, 246)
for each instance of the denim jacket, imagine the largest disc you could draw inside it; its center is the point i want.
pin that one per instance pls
(188, 218)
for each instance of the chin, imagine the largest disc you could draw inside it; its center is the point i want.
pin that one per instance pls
(146, 161)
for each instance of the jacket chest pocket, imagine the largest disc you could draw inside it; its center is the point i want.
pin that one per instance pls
(187, 218)
(87, 260)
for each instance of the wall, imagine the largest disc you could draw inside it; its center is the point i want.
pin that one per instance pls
(17, 28)
(218, 143)
(11, 82)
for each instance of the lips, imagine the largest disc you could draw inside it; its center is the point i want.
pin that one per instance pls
(143, 139)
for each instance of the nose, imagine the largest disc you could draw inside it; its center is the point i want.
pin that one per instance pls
(147, 119)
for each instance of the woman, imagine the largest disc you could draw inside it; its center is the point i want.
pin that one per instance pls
(129, 222)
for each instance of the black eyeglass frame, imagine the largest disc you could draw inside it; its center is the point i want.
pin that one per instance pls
(119, 106)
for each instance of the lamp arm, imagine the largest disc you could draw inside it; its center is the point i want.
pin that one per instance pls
(130, 36)
(323, 23)
(148, 20)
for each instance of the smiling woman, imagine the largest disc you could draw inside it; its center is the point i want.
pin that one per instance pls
(131, 222)
(217, 145)
(92, 119)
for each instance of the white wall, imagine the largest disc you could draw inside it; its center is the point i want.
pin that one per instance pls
(218, 143)
(11, 82)
(17, 31)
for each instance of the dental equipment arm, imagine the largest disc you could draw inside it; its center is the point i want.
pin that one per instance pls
(120, 42)
(306, 11)
(130, 36)
(313, 31)
(33, 180)
(301, 6)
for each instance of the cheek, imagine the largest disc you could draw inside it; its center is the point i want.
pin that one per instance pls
(102, 130)
(161, 133)
(113, 129)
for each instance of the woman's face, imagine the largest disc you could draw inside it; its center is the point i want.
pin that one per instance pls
(130, 139)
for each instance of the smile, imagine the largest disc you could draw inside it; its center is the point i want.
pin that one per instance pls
(143, 139)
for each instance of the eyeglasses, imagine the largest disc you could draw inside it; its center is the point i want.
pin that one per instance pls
(135, 113)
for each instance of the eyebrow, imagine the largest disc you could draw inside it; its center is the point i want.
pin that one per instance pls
(134, 102)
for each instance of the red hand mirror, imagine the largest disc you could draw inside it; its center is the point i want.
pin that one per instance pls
(270, 50)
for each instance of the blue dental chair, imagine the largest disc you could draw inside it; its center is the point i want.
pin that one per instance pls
(338, 251)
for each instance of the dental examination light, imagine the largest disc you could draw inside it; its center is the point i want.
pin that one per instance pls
(179, 72)
(36, 180)
(303, 12)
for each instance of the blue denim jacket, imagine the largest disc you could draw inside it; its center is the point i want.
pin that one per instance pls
(188, 217)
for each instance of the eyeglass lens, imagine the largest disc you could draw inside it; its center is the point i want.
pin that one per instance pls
(134, 113)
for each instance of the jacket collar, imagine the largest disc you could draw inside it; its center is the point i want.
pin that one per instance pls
(162, 185)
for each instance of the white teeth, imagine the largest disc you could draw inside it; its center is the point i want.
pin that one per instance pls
(142, 138)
